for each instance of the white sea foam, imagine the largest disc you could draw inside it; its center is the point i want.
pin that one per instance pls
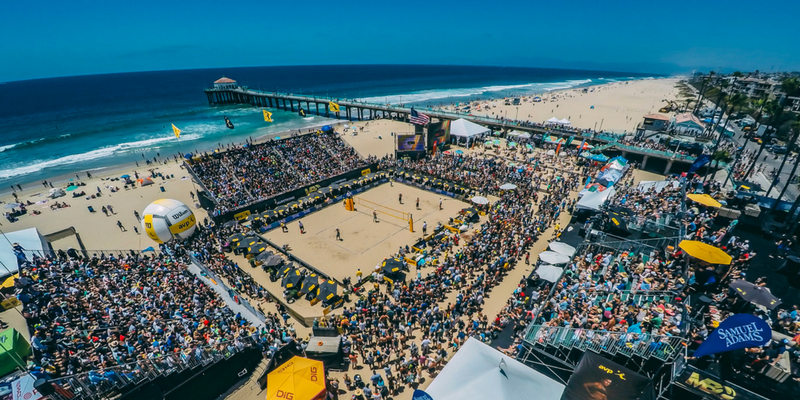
(6, 147)
(426, 95)
(37, 165)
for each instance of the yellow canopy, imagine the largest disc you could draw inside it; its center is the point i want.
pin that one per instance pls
(298, 379)
(9, 282)
(704, 199)
(705, 252)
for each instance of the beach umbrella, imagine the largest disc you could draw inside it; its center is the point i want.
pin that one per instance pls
(335, 186)
(496, 142)
(126, 176)
(488, 143)
(9, 282)
(562, 248)
(273, 261)
(549, 272)
(69, 189)
(705, 252)
(236, 237)
(551, 257)
(508, 186)
(264, 256)
(231, 223)
(277, 138)
(15, 205)
(310, 284)
(755, 294)
(391, 265)
(253, 217)
(328, 290)
(704, 199)
(283, 209)
(480, 200)
(292, 279)
(447, 152)
(528, 146)
(749, 186)
(307, 199)
(325, 190)
(270, 214)
(298, 378)
(512, 144)
(257, 248)
(459, 152)
(246, 243)
(285, 270)
(294, 204)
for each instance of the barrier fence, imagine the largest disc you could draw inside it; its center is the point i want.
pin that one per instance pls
(232, 292)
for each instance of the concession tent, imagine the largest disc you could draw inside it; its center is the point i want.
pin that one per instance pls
(548, 272)
(29, 239)
(478, 371)
(467, 130)
(564, 121)
(554, 120)
(593, 200)
(14, 350)
(521, 135)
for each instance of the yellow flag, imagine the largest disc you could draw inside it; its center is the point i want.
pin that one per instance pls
(267, 116)
(177, 131)
(333, 106)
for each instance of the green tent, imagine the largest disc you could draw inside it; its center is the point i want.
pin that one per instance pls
(14, 349)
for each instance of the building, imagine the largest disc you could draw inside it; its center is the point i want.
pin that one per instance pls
(793, 103)
(687, 124)
(225, 83)
(756, 87)
(655, 122)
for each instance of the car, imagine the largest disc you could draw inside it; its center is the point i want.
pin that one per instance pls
(778, 149)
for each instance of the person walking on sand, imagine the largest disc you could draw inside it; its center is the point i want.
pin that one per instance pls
(104, 210)
(400, 198)
(338, 234)
(424, 228)
(122, 228)
(417, 203)
(440, 204)
(374, 215)
(111, 209)
(528, 258)
(302, 228)
(138, 217)
(284, 228)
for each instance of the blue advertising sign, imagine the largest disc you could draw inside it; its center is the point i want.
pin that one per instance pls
(701, 160)
(421, 395)
(738, 331)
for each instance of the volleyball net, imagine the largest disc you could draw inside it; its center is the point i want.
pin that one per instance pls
(383, 210)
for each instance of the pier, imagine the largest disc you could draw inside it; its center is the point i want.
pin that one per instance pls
(226, 91)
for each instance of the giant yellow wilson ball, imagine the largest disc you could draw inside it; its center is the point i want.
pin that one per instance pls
(167, 219)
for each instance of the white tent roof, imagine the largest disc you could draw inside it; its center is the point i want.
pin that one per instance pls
(464, 128)
(549, 272)
(564, 121)
(30, 240)
(521, 135)
(554, 120)
(593, 200)
(551, 257)
(474, 372)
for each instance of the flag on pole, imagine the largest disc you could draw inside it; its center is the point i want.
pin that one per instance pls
(176, 131)
(267, 116)
(558, 148)
(418, 118)
(434, 148)
(333, 106)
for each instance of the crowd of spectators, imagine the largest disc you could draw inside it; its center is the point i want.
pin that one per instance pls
(244, 175)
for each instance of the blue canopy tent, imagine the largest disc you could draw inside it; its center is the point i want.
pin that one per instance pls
(327, 128)
(595, 157)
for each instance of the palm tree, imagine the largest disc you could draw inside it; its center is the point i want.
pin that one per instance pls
(706, 82)
(721, 155)
(773, 109)
(688, 101)
(731, 102)
(795, 126)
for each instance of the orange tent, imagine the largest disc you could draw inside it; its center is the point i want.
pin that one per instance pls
(297, 379)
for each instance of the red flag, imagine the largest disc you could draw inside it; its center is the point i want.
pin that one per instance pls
(434, 148)
(558, 148)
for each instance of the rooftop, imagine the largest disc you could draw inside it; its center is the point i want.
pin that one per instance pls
(661, 117)
(225, 80)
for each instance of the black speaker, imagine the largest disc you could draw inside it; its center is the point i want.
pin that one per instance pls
(790, 267)
(44, 387)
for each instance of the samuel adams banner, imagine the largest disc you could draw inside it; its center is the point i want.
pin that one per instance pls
(597, 378)
(701, 160)
(738, 331)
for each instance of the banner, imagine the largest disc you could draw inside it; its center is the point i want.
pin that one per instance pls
(738, 331)
(701, 160)
(705, 384)
(599, 378)
(421, 395)
(22, 389)
(410, 143)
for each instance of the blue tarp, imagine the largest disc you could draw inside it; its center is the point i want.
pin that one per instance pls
(327, 128)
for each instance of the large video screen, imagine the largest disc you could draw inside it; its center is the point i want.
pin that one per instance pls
(410, 143)
(438, 133)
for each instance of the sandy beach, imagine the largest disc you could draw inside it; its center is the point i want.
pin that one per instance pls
(618, 106)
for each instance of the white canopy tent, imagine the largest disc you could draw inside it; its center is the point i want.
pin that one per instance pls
(548, 272)
(554, 120)
(562, 248)
(551, 257)
(518, 134)
(30, 240)
(478, 371)
(467, 130)
(564, 121)
(593, 200)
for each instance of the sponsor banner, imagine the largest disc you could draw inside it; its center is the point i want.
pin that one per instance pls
(736, 332)
(599, 378)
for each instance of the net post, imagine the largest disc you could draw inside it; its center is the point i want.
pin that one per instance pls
(411, 223)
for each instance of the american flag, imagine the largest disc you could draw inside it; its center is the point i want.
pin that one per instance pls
(418, 118)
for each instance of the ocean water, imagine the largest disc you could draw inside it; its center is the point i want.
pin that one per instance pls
(59, 126)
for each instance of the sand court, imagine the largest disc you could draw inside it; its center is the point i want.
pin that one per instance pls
(364, 243)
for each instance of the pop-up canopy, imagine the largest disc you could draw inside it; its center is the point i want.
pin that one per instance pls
(298, 379)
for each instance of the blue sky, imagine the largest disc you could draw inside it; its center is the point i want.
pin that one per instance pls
(46, 39)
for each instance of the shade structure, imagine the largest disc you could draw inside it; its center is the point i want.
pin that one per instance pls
(480, 200)
(551, 257)
(310, 284)
(704, 199)
(257, 248)
(327, 291)
(264, 256)
(562, 248)
(297, 379)
(292, 279)
(548, 272)
(237, 237)
(466, 129)
(245, 243)
(508, 186)
(273, 261)
(284, 209)
(705, 252)
(755, 294)
(145, 181)
(553, 120)
(478, 371)
(253, 217)
(325, 190)
(391, 265)
(270, 214)
(294, 204)
(9, 282)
